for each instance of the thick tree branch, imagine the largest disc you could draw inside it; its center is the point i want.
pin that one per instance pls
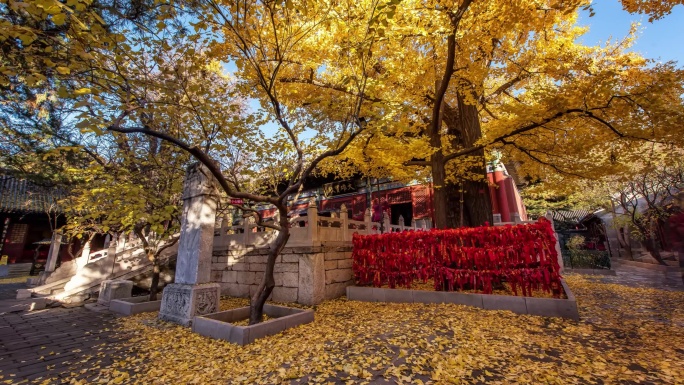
(531, 126)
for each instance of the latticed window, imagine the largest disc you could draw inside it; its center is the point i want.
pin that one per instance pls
(399, 196)
(422, 202)
(17, 233)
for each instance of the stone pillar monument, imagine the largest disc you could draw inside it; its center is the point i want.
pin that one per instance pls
(53, 254)
(192, 294)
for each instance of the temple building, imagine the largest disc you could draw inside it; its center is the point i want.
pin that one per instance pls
(412, 201)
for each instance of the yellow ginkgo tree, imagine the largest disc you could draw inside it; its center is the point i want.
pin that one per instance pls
(471, 77)
(139, 85)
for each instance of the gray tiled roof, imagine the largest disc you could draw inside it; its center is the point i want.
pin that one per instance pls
(22, 196)
(570, 215)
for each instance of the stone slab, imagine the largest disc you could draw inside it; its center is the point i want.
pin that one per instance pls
(134, 305)
(219, 326)
(23, 293)
(196, 242)
(311, 279)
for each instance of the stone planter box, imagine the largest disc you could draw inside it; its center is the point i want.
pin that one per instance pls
(547, 307)
(134, 305)
(218, 325)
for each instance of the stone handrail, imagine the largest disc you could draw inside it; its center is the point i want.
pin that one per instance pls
(327, 230)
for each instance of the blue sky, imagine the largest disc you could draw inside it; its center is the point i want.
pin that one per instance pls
(661, 39)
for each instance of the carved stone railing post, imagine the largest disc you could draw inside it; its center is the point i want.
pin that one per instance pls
(386, 224)
(401, 223)
(224, 225)
(312, 214)
(497, 218)
(120, 242)
(192, 294)
(247, 226)
(85, 254)
(344, 220)
(549, 216)
(516, 218)
(413, 224)
(368, 220)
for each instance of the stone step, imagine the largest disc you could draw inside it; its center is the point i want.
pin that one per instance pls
(48, 288)
(16, 270)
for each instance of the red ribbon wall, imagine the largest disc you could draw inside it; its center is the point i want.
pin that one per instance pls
(476, 258)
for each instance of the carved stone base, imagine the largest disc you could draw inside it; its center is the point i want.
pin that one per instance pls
(182, 302)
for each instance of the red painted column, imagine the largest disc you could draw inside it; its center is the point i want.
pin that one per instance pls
(502, 195)
(512, 198)
(492, 194)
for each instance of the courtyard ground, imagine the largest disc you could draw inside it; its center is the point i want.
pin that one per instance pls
(631, 331)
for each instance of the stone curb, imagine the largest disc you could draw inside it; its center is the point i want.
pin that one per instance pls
(547, 307)
(591, 271)
(134, 305)
(218, 325)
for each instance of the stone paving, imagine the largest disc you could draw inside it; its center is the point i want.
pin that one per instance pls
(47, 342)
(640, 277)
(61, 341)
(9, 290)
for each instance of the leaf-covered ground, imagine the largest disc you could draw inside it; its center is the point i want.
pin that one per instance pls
(627, 335)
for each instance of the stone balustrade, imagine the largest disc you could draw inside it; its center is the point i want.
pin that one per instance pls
(327, 231)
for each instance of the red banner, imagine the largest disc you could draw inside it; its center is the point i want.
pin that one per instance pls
(477, 258)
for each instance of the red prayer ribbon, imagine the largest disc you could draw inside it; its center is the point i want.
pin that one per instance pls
(477, 258)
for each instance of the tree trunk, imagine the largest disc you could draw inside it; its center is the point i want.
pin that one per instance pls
(154, 285)
(265, 288)
(478, 206)
(453, 202)
(654, 250)
(624, 241)
(152, 257)
(650, 243)
(439, 201)
(463, 124)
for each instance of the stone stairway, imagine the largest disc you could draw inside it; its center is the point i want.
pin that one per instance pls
(18, 270)
(83, 278)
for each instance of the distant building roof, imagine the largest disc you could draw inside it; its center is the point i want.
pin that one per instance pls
(24, 197)
(570, 215)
